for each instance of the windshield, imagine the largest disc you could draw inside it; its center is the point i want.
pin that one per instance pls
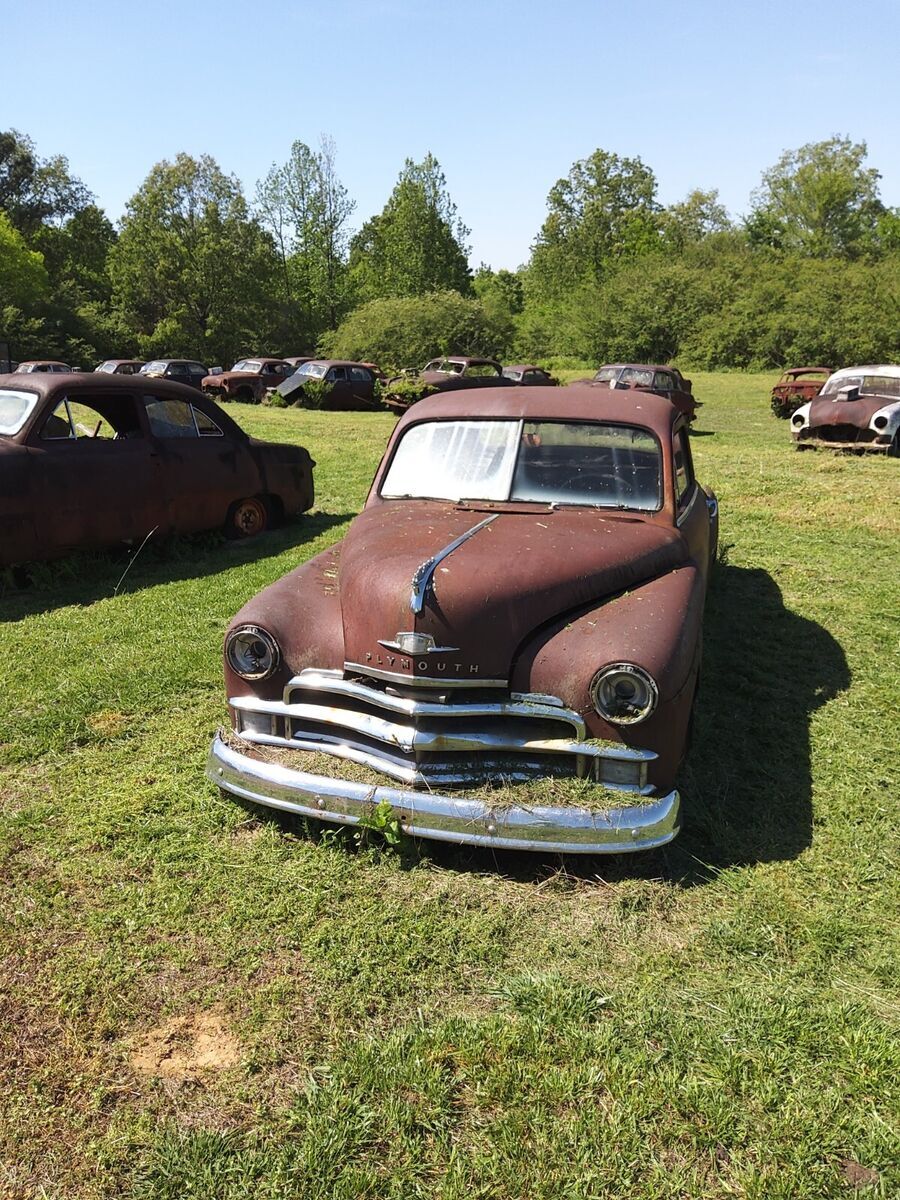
(14, 410)
(445, 366)
(869, 385)
(315, 369)
(548, 462)
(253, 365)
(511, 373)
(153, 368)
(607, 374)
(107, 368)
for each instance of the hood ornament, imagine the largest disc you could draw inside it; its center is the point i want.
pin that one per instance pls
(415, 644)
(422, 580)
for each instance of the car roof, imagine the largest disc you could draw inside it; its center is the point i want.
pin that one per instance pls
(462, 358)
(93, 381)
(891, 370)
(338, 362)
(577, 402)
(525, 367)
(639, 367)
(42, 362)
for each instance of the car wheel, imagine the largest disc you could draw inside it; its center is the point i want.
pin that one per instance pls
(894, 447)
(245, 396)
(247, 517)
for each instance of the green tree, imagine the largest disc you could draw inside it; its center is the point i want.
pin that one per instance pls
(192, 271)
(23, 277)
(399, 332)
(603, 211)
(698, 216)
(35, 191)
(306, 209)
(417, 243)
(819, 200)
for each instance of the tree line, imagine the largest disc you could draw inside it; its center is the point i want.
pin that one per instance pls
(196, 269)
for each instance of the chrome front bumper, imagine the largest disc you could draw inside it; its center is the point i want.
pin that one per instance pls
(422, 814)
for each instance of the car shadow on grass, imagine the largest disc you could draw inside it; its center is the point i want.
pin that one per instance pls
(746, 785)
(85, 577)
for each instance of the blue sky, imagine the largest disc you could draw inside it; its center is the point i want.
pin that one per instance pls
(506, 95)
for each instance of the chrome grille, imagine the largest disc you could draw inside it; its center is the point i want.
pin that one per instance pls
(431, 742)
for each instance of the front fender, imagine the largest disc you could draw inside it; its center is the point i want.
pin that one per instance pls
(657, 626)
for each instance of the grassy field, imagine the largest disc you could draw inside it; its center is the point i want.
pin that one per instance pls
(199, 1001)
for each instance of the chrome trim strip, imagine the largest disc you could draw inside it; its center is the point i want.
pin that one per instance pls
(520, 704)
(423, 680)
(683, 516)
(560, 829)
(425, 573)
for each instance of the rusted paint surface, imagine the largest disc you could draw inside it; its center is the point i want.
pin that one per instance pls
(248, 386)
(679, 391)
(123, 476)
(529, 375)
(538, 600)
(796, 386)
(351, 386)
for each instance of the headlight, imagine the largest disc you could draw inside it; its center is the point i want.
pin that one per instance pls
(797, 419)
(624, 694)
(252, 652)
(880, 422)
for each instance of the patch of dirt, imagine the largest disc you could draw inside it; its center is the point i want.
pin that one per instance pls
(855, 1175)
(185, 1048)
(108, 723)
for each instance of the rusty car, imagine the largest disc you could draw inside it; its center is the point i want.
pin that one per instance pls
(504, 649)
(120, 366)
(248, 380)
(453, 372)
(93, 460)
(858, 409)
(529, 375)
(795, 387)
(649, 377)
(180, 370)
(337, 386)
(42, 366)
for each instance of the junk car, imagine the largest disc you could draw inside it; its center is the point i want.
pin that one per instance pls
(449, 374)
(795, 387)
(42, 366)
(858, 409)
(92, 460)
(337, 386)
(179, 370)
(504, 649)
(120, 366)
(663, 381)
(248, 380)
(528, 375)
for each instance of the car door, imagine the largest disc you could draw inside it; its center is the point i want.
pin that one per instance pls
(93, 473)
(203, 467)
(340, 395)
(362, 385)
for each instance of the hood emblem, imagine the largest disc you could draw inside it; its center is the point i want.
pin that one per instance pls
(424, 576)
(416, 643)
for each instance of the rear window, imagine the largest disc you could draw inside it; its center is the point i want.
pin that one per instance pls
(15, 408)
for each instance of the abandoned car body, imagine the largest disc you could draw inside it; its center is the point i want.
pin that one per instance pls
(795, 387)
(528, 375)
(248, 380)
(645, 377)
(344, 386)
(517, 608)
(858, 409)
(92, 460)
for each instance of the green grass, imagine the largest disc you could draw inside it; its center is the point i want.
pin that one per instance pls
(717, 1020)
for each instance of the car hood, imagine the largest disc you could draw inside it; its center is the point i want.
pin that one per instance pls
(823, 411)
(228, 376)
(526, 567)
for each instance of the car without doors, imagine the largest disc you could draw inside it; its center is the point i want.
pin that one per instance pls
(795, 387)
(858, 409)
(93, 460)
(504, 649)
(248, 380)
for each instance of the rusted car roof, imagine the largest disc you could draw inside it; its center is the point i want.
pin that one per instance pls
(578, 402)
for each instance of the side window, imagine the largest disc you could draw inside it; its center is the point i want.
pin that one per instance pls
(336, 373)
(177, 371)
(663, 381)
(206, 426)
(684, 470)
(171, 418)
(360, 375)
(58, 425)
